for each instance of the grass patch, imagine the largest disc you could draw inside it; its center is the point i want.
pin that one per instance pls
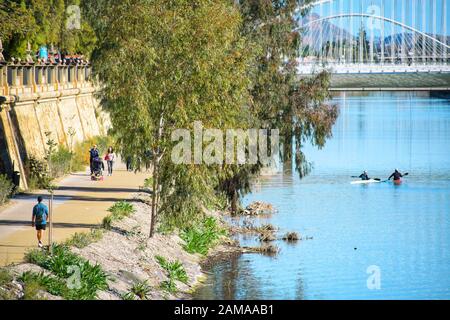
(82, 240)
(169, 286)
(200, 238)
(175, 270)
(5, 277)
(32, 289)
(118, 211)
(128, 296)
(76, 278)
(140, 289)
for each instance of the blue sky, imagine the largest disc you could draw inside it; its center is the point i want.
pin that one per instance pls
(411, 11)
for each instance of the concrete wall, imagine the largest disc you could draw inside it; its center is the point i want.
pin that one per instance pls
(39, 100)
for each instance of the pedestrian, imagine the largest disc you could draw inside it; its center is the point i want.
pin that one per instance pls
(129, 164)
(39, 219)
(93, 153)
(110, 159)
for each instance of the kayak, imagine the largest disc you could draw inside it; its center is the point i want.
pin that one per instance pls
(365, 181)
(398, 182)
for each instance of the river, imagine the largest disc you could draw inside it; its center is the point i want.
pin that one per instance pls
(397, 237)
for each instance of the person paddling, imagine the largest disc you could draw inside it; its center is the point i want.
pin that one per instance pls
(39, 219)
(397, 175)
(364, 176)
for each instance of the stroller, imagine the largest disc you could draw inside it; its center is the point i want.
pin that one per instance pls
(98, 167)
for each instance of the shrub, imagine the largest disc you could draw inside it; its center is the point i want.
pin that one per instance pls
(141, 289)
(122, 209)
(119, 210)
(60, 162)
(61, 263)
(128, 296)
(5, 277)
(199, 239)
(6, 189)
(38, 177)
(148, 183)
(169, 286)
(175, 270)
(82, 240)
(31, 290)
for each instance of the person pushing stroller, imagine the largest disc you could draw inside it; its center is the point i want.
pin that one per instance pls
(98, 167)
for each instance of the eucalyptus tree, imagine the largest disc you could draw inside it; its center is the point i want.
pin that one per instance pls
(43, 22)
(161, 66)
(280, 99)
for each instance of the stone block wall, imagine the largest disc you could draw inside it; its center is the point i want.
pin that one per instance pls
(36, 100)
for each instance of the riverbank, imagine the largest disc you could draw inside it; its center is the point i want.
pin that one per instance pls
(131, 260)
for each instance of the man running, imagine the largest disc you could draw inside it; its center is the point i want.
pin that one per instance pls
(396, 175)
(39, 219)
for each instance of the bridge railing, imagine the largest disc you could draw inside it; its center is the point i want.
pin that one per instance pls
(28, 78)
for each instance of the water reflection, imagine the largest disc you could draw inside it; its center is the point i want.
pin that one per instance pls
(402, 229)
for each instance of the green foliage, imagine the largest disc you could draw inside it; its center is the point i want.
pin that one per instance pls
(141, 289)
(128, 296)
(119, 210)
(38, 177)
(122, 209)
(61, 264)
(201, 237)
(82, 240)
(107, 222)
(5, 277)
(148, 183)
(61, 162)
(6, 189)
(42, 22)
(32, 289)
(175, 270)
(49, 283)
(191, 67)
(81, 150)
(169, 286)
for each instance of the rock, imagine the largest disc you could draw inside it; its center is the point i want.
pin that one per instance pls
(291, 236)
(258, 208)
(266, 237)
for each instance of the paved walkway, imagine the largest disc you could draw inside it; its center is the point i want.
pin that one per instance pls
(79, 204)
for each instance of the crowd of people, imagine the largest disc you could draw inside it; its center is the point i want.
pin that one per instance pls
(58, 56)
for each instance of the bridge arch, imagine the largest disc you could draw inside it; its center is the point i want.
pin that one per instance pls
(413, 42)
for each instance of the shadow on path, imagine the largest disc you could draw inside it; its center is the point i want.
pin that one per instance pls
(55, 224)
(94, 189)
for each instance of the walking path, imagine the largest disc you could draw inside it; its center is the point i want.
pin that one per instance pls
(79, 205)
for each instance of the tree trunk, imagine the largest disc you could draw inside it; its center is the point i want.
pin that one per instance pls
(154, 197)
(234, 201)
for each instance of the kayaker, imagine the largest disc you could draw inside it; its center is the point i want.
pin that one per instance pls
(364, 176)
(396, 175)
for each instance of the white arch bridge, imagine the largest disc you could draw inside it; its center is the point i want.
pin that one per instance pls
(382, 43)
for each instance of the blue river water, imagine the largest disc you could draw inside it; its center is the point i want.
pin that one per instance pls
(402, 232)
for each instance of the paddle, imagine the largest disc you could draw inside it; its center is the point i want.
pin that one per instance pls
(405, 174)
(376, 179)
